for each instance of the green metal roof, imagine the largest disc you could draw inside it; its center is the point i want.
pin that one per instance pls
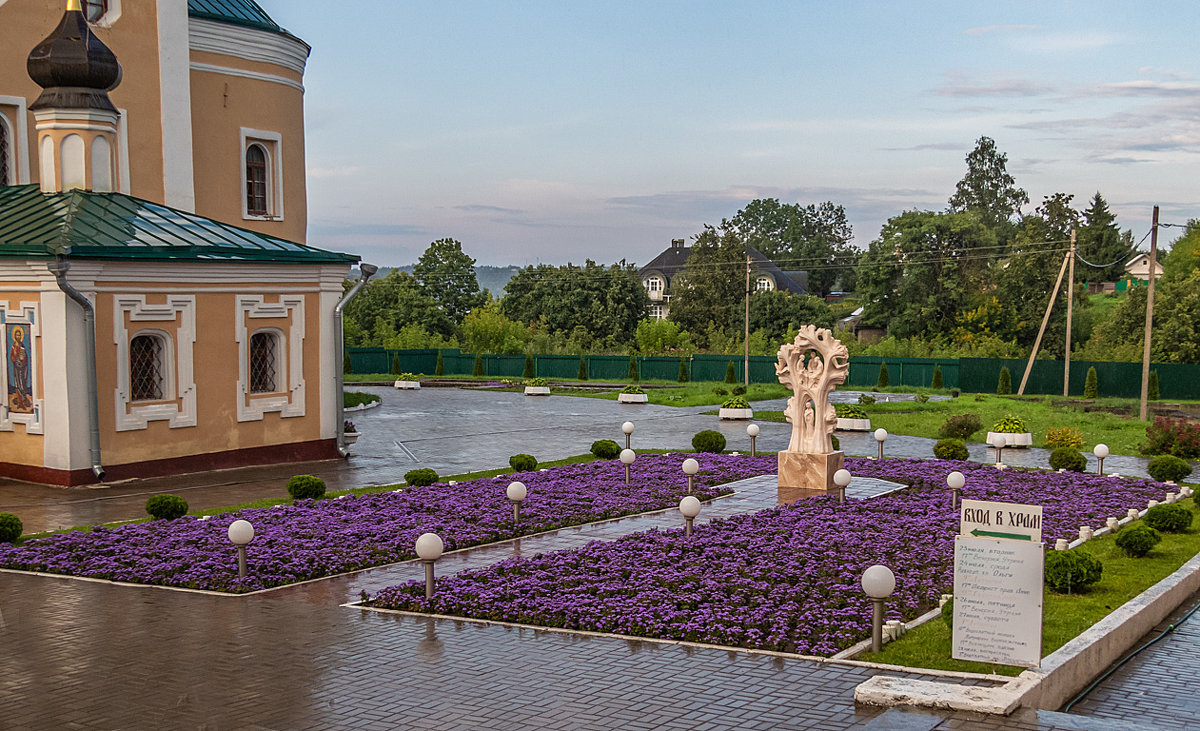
(237, 12)
(83, 225)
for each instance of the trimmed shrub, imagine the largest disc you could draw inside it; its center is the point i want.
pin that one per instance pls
(708, 441)
(865, 399)
(736, 402)
(529, 372)
(421, 477)
(1070, 571)
(948, 613)
(523, 462)
(849, 411)
(440, 368)
(632, 389)
(633, 369)
(606, 449)
(1091, 386)
(478, 369)
(738, 390)
(1004, 385)
(1166, 467)
(1010, 424)
(884, 381)
(720, 391)
(305, 487)
(537, 382)
(951, 449)
(1136, 540)
(1064, 436)
(837, 445)
(582, 375)
(395, 364)
(1152, 387)
(346, 367)
(1169, 518)
(683, 371)
(1172, 436)
(10, 527)
(921, 397)
(1067, 458)
(960, 427)
(166, 507)
(937, 377)
(730, 373)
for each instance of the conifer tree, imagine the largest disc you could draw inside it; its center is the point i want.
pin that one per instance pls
(884, 380)
(937, 376)
(1091, 389)
(1004, 387)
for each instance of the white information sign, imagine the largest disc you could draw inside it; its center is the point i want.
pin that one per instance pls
(998, 601)
(1015, 522)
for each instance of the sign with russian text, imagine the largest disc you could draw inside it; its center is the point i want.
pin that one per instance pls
(998, 600)
(1010, 521)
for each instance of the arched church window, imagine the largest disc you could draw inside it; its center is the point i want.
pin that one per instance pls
(256, 181)
(147, 368)
(6, 177)
(265, 352)
(94, 10)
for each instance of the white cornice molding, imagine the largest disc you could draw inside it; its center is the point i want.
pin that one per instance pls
(251, 44)
(240, 73)
(85, 274)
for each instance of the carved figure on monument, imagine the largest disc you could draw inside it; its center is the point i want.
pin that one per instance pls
(812, 366)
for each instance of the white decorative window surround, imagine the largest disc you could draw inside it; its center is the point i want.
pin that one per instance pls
(179, 406)
(291, 402)
(26, 313)
(271, 145)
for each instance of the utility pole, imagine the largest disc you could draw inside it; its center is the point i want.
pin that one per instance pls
(1149, 317)
(1042, 330)
(1070, 308)
(746, 368)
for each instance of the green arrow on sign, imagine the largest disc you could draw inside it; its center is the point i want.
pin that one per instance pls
(992, 534)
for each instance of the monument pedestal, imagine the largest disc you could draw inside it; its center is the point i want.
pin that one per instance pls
(809, 471)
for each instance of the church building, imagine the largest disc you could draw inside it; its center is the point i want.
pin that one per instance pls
(159, 310)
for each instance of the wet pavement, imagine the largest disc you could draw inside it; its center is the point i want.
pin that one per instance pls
(93, 655)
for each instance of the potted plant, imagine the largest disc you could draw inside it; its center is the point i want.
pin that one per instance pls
(1014, 431)
(349, 432)
(632, 394)
(537, 387)
(736, 408)
(852, 418)
(408, 382)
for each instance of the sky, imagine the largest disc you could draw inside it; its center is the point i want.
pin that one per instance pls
(548, 132)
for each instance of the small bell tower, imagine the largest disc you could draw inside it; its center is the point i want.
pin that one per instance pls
(76, 121)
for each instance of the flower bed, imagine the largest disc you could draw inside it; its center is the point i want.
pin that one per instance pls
(785, 579)
(312, 539)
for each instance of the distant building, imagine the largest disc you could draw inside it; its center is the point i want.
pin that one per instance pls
(659, 275)
(1139, 268)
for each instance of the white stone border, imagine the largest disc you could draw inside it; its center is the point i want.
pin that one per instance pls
(179, 363)
(735, 414)
(633, 398)
(363, 407)
(26, 313)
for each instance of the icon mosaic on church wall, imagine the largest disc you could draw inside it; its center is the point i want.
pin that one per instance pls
(20, 371)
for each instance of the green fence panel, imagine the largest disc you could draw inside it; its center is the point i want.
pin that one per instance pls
(915, 372)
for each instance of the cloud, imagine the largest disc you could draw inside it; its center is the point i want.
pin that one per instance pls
(480, 208)
(1168, 89)
(998, 29)
(335, 228)
(930, 146)
(1119, 160)
(1000, 88)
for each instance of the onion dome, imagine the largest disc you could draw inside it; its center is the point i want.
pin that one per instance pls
(74, 69)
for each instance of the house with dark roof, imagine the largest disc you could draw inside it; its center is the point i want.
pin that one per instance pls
(659, 274)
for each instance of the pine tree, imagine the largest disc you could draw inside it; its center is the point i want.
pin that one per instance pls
(1004, 387)
(730, 373)
(478, 370)
(884, 380)
(937, 376)
(683, 370)
(529, 371)
(440, 368)
(346, 366)
(1091, 389)
(633, 369)
(1152, 387)
(582, 368)
(395, 364)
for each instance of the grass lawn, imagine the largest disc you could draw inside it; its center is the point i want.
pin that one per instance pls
(1064, 616)
(698, 393)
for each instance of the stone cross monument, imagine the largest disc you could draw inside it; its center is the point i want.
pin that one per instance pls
(812, 366)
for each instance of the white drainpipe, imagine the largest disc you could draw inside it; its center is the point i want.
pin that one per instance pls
(368, 270)
(59, 268)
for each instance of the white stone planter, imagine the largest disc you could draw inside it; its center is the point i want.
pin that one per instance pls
(854, 424)
(351, 437)
(633, 398)
(537, 390)
(408, 385)
(736, 413)
(1024, 439)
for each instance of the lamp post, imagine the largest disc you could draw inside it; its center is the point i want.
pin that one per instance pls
(627, 427)
(690, 468)
(998, 442)
(881, 437)
(241, 533)
(956, 481)
(429, 549)
(1101, 451)
(516, 492)
(752, 430)
(841, 478)
(627, 457)
(690, 507)
(878, 582)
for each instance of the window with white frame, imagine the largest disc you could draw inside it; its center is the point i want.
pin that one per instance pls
(653, 284)
(656, 311)
(266, 355)
(262, 175)
(148, 367)
(764, 284)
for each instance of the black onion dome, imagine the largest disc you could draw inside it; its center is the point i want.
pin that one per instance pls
(73, 67)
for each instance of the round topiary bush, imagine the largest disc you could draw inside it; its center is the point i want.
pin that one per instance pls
(1070, 571)
(960, 427)
(421, 477)
(1169, 518)
(305, 487)
(10, 527)
(708, 441)
(738, 390)
(1166, 467)
(606, 449)
(523, 462)
(1067, 458)
(1137, 540)
(951, 449)
(166, 507)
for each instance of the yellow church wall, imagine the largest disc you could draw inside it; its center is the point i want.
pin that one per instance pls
(18, 446)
